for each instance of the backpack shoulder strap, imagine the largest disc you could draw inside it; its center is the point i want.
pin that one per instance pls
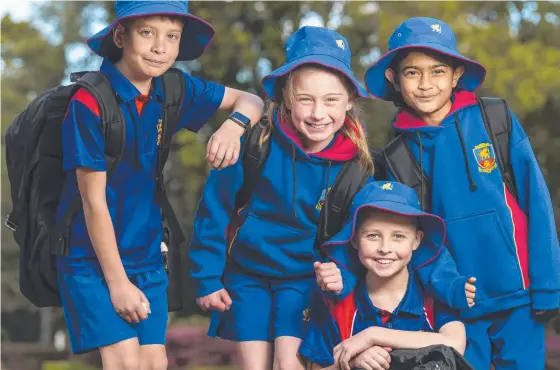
(114, 132)
(253, 155)
(111, 116)
(173, 85)
(348, 182)
(400, 161)
(496, 117)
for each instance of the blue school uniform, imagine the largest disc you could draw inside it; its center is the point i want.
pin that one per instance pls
(135, 214)
(331, 324)
(510, 245)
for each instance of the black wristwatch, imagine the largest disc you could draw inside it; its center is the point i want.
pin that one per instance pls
(241, 119)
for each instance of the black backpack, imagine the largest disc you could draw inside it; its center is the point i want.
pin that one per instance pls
(34, 163)
(348, 182)
(400, 160)
(435, 357)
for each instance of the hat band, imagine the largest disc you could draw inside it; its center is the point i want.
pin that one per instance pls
(421, 39)
(175, 4)
(319, 51)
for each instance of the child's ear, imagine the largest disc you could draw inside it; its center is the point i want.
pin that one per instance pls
(457, 73)
(354, 243)
(118, 35)
(350, 104)
(418, 239)
(390, 75)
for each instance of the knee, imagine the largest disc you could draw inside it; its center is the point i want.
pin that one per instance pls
(288, 363)
(130, 363)
(155, 363)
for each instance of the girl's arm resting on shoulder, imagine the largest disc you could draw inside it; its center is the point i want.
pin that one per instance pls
(452, 334)
(209, 243)
(92, 186)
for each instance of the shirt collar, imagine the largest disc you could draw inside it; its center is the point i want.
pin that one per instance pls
(412, 302)
(123, 87)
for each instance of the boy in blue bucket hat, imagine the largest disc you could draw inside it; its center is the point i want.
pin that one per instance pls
(253, 265)
(389, 308)
(112, 282)
(500, 229)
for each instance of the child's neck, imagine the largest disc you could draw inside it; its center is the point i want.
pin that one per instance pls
(143, 84)
(435, 118)
(387, 293)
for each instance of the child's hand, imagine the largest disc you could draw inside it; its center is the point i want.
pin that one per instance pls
(224, 145)
(376, 358)
(129, 302)
(328, 277)
(470, 290)
(218, 301)
(350, 348)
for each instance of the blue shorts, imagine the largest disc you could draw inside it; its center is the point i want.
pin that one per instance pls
(262, 308)
(92, 321)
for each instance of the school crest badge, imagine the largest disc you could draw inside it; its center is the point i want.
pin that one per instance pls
(485, 157)
(159, 131)
(387, 186)
(340, 44)
(306, 315)
(321, 202)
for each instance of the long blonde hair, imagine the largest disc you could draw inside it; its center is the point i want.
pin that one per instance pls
(352, 128)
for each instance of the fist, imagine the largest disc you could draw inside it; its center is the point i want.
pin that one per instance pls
(328, 277)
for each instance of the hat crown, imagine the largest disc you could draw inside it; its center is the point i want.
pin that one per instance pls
(386, 191)
(123, 7)
(423, 30)
(309, 40)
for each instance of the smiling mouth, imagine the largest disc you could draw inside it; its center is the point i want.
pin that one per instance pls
(384, 261)
(317, 126)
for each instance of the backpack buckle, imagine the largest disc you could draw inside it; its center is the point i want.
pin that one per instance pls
(10, 224)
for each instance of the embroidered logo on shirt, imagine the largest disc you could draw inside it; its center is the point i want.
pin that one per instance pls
(387, 186)
(340, 44)
(319, 205)
(436, 28)
(307, 315)
(485, 157)
(159, 131)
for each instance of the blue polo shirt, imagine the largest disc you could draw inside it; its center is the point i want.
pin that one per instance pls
(135, 214)
(330, 323)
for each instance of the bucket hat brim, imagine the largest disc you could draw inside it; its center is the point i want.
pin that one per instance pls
(196, 36)
(327, 61)
(381, 88)
(432, 226)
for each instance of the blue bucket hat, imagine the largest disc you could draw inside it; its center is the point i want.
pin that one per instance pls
(315, 45)
(396, 198)
(196, 36)
(424, 33)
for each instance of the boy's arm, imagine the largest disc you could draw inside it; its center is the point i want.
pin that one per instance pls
(452, 334)
(84, 152)
(202, 100)
(126, 298)
(208, 247)
(542, 237)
